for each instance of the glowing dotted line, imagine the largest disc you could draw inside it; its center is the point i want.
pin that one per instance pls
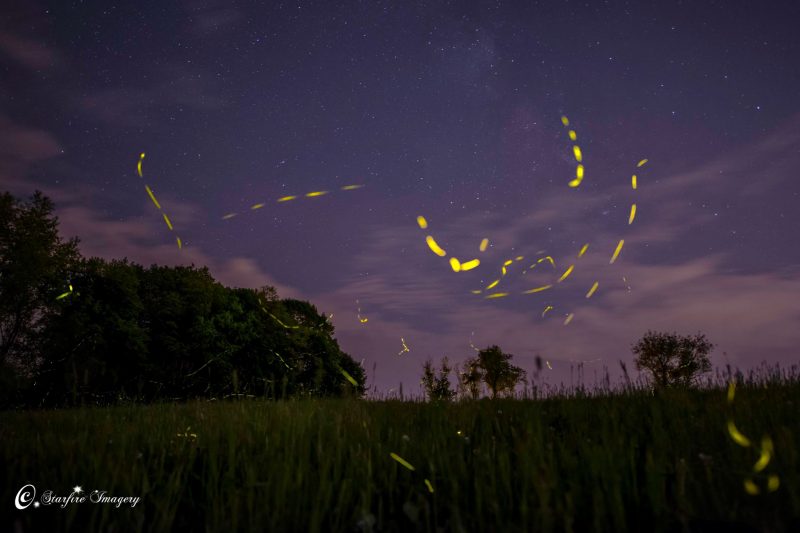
(581, 252)
(283, 199)
(405, 348)
(472, 334)
(503, 272)
(765, 452)
(620, 244)
(152, 196)
(455, 264)
(576, 152)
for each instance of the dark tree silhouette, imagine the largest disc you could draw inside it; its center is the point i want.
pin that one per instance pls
(34, 269)
(498, 372)
(437, 387)
(144, 334)
(470, 379)
(672, 359)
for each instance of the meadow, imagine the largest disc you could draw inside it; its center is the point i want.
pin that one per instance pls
(622, 460)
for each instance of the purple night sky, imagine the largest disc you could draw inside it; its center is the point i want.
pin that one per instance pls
(451, 111)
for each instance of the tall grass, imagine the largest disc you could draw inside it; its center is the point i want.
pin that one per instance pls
(624, 459)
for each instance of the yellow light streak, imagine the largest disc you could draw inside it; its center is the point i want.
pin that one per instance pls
(484, 244)
(455, 264)
(572, 135)
(435, 248)
(565, 121)
(642, 162)
(594, 288)
(773, 483)
(546, 309)
(751, 488)
(737, 436)
(583, 250)
(351, 187)
(421, 222)
(537, 289)
(152, 196)
(256, 206)
(229, 215)
(731, 391)
(633, 182)
(632, 215)
(286, 198)
(180, 244)
(492, 284)
(469, 265)
(576, 151)
(401, 461)
(316, 193)
(279, 321)
(139, 164)
(166, 219)
(617, 251)
(285, 363)
(349, 378)
(569, 318)
(566, 273)
(430, 487)
(766, 454)
(497, 295)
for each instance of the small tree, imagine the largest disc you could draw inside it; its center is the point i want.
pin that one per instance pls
(498, 372)
(437, 387)
(470, 379)
(672, 359)
(34, 268)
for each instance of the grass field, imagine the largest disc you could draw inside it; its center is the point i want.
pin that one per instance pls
(632, 461)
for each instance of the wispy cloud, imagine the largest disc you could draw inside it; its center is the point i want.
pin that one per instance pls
(749, 315)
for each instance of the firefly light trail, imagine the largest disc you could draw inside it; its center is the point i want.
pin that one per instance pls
(765, 451)
(152, 196)
(282, 199)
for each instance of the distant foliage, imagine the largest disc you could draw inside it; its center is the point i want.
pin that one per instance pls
(470, 379)
(671, 359)
(491, 367)
(145, 334)
(34, 263)
(437, 387)
(499, 374)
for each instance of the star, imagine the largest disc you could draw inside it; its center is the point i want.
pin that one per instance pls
(36, 505)
(77, 489)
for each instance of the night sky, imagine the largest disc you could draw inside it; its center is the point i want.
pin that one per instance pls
(450, 110)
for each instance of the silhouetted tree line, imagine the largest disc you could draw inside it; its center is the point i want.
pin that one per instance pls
(75, 330)
(491, 367)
